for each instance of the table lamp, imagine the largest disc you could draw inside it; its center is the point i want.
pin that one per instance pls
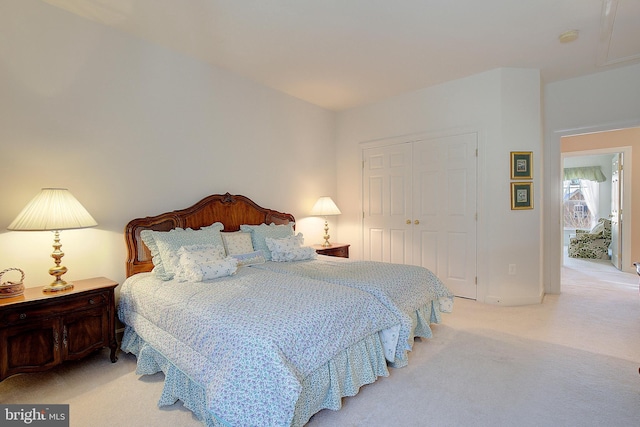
(325, 207)
(54, 209)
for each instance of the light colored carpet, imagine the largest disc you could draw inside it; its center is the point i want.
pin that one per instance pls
(571, 361)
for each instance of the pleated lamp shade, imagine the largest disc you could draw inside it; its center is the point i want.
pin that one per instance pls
(53, 209)
(325, 206)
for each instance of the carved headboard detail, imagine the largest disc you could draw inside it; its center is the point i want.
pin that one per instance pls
(231, 210)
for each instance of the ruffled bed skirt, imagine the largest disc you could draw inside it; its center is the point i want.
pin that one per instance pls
(342, 376)
(421, 319)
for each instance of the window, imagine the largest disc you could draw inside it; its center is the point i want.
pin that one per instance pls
(580, 201)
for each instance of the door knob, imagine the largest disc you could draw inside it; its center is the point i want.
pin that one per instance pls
(416, 222)
(408, 221)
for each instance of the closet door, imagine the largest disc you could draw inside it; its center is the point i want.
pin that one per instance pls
(444, 210)
(386, 184)
(419, 207)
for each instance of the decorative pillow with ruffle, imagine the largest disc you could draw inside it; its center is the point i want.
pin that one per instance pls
(198, 263)
(290, 249)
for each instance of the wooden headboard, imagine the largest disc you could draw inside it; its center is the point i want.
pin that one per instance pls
(231, 210)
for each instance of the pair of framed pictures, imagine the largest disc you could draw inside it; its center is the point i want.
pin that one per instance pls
(521, 169)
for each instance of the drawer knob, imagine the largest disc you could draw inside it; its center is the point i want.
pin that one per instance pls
(23, 316)
(91, 301)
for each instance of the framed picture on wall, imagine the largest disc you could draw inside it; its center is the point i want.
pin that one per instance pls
(521, 195)
(521, 165)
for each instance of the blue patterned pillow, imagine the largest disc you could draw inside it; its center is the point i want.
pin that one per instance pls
(164, 245)
(251, 258)
(262, 231)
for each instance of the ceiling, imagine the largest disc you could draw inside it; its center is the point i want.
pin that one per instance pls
(340, 54)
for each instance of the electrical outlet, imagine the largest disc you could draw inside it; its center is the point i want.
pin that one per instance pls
(512, 269)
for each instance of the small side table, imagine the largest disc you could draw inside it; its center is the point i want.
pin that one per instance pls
(40, 330)
(336, 249)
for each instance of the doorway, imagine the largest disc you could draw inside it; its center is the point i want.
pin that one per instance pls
(603, 143)
(624, 135)
(590, 198)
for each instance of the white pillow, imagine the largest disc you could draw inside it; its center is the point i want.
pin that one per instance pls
(597, 229)
(164, 245)
(289, 249)
(203, 262)
(237, 243)
(285, 243)
(296, 254)
(201, 253)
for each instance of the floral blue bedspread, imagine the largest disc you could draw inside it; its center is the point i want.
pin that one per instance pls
(251, 338)
(412, 293)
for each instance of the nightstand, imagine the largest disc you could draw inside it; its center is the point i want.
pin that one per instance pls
(40, 330)
(337, 249)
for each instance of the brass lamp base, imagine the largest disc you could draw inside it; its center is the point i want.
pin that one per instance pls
(326, 243)
(58, 270)
(57, 287)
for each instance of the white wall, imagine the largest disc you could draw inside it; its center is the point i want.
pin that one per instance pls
(132, 130)
(598, 102)
(503, 106)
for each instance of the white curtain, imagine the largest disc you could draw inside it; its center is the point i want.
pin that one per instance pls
(591, 193)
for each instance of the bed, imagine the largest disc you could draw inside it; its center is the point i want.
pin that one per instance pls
(414, 294)
(265, 345)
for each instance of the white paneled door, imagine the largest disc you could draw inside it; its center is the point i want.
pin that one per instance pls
(387, 204)
(419, 207)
